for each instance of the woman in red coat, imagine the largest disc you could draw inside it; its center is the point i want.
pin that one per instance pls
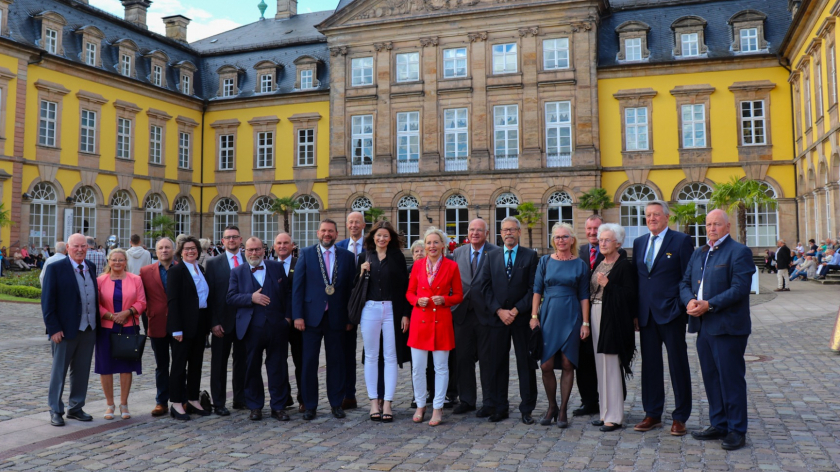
(433, 287)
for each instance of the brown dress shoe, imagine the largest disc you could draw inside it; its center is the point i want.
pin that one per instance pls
(349, 404)
(160, 410)
(648, 424)
(678, 428)
(301, 408)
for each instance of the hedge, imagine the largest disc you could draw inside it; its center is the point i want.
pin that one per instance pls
(29, 279)
(21, 291)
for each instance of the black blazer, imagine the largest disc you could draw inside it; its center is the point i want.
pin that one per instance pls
(583, 254)
(499, 292)
(182, 299)
(286, 283)
(218, 278)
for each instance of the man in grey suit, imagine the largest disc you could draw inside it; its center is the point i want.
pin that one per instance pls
(470, 259)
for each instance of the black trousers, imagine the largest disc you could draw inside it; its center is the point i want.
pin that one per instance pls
(494, 361)
(652, 337)
(350, 362)
(271, 339)
(160, 346)
(586, 374)
(220, 350)
(185, 376)
(334, 348)
(466, 355)
(296, 348)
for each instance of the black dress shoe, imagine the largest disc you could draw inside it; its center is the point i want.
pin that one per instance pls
(448, 402)
(484, 412)
(596, 423)
(56, 419)
(527, 418)
(256, 415)
(733, 441)
(462, 408)
(607, 428)
(349, 404)
(190, 409)
(709, 433)
(280, 415)
(79, 415)
(289, 402)
(178, 416)
(338, 412)
(586, 410)
(496, 417)
(222, 411)
(309, 415)
(239, 406)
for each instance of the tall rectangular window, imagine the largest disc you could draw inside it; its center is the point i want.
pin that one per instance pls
(456, 133)
(749, 40)
(185, 84)
(265, 149)
(184, 150)
(227, 88)
(306, 147)
(636, 129)
(266, 83)
(157, 75)
(90, 54)
(51, 41)
(306, 80)
(504, 58)
(362, 71)
(556, 54)
(408, 138)
(752, 123)
(125, 65)
(226, 152)
(362, 141)
(408, 67)
(87, 136)
(818, 88)
(47, 123)
(558, 133)
(633, 49)
(694, 126)
(506, 130)
(690, 45)
(155, 144)
(832, 76)
(807, 92)
(454, 63)
(123, 138)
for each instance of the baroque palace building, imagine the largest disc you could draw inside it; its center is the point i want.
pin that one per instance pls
(435, 111)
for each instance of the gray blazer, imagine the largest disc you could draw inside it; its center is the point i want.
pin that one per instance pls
(475, 302)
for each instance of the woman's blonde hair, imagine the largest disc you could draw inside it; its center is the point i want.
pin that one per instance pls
(205, 244)
(571, 231)
(415, 245)
(108, 260)
(434, 230)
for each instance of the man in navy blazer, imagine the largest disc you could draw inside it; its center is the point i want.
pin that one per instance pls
(354, 244)
(320, 292)
(716, 293)
(262, 322)
(661, 258)
(70, 305)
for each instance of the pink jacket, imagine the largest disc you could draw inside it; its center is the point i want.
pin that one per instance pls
(132, 293)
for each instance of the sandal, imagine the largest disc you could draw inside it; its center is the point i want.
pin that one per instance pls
(433, 422)
(109, 413)
(376, 416)
(124, 412)
(387, 418)
(419, 418)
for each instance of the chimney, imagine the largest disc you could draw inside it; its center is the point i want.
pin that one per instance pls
(286, 9)
(176, 27)
(135, 11)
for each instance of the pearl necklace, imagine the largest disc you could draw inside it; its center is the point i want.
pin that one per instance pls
(571, 256)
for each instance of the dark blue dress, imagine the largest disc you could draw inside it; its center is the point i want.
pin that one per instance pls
(105, 364)
(563, 284)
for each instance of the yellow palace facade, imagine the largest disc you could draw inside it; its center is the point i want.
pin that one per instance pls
(435, 112)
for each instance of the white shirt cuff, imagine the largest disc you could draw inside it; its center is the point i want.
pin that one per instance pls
(178, 333)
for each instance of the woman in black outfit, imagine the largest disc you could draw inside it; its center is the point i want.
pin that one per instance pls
(188, 322)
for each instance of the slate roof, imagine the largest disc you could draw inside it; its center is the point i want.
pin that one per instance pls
(660, 14)
(266, 33)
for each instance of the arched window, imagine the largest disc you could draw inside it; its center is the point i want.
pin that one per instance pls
(182, 216)
(363, 205)
(457, 217)
(121, 217)
(225, 214)
(408, 219)
(84, 212)
(697, 193)
(633, 202)
(42, 215)
(506, 205)
(762, 222)
(263, 220)
(306, 220)
(559, 211)
(153, 207)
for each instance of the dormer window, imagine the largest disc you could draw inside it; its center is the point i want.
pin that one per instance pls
(158, 60)
(748, 31)
(185, 85)
(266, 76)
(4, 15)
(128, 49)
(307, 73)
(689, 39)
(633, 49)
(266, 83)
(749, 40)
(228, 81)
(689, 44)
(185, 69)
(51, 41)
(228, 86)
(306, 80)
(52, 26)
(125, 65)
(632, 41)
(157, 75)
(91, 45)
(90, 54)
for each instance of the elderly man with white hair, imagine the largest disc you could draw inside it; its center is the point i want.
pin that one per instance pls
(60, 253)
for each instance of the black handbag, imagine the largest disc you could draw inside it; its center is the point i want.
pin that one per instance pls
(127, 347)
(535, 344)
(358, 297)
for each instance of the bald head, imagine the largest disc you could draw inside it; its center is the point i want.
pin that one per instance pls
(477, 233)
(283, 245)
(77, 247)
(717, 225)
(356, 225)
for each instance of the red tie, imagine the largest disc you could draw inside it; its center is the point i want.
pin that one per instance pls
(591, 258)
(235, 261)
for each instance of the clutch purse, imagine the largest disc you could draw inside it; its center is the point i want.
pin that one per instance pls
(535, 344)
(357, 298)
(127, 347)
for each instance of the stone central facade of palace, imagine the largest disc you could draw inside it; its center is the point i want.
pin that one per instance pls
(435, 111)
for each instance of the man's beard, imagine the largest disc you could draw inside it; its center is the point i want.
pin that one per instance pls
(255, 262)
(326, 244)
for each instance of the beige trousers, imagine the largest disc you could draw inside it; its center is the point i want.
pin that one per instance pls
(610, 392)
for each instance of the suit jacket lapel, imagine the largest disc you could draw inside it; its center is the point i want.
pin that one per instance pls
(666, 240)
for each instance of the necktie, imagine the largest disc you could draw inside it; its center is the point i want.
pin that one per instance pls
(254, 269)
(235, 261)
(509, 266)
(592, 252)
(474, 263)
(82, 270)
(649, 255)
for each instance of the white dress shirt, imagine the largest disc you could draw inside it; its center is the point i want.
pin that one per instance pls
(287, 264)
(657, 245)
(260, 274)
(231, 255)
(703, 274)
(329, 268)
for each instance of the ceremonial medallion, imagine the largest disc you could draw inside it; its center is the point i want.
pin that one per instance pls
(330, 289)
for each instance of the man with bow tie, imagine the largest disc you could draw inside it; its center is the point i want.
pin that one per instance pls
(262, 323)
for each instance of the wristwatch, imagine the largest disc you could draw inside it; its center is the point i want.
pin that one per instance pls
(711, 308)
(586, 324)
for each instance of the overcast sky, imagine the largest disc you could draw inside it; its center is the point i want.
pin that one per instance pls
(210, 17)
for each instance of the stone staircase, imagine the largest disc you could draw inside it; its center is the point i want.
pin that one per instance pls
(832, 278)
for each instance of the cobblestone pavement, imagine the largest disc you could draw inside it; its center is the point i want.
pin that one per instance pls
(794, 412)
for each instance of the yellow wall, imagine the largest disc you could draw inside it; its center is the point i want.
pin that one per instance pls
(10, 63)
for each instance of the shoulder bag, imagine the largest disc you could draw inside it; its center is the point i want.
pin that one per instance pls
(358, 297)
(128, 347)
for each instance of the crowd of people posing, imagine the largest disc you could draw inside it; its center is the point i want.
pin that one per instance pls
(573, 312)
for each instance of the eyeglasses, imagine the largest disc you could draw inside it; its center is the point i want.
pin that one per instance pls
(189, 249)
(253, 250)
(605, 241)
(564, 237)
(509, 230)
(232, 237)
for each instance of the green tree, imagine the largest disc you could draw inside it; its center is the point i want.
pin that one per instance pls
(735, 196)
(5, 216)
(162, 225)
(284, 206)
(595, 199)
(529, 215)
(375, 214)
(685, 215)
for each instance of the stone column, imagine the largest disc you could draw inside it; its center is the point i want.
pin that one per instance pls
(382, 147)
(479, 154)
(431, 128)
(338, 135)
(833, 194)
(531, 156)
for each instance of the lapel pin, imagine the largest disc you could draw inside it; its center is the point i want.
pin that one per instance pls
(668, 254)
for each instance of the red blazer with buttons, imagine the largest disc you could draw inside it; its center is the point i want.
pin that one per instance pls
(431, 326)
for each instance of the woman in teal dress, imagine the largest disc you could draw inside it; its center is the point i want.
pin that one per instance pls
(562, 285)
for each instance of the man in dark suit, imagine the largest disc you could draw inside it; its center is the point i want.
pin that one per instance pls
(782, 267)
(507, 282)
(661, 258)
(262, 322)
(354, 244)
(470, 259)
(224, 326)
(320, 292)
(586, 374)
(283, 246)
(70, 305)
(716, 293)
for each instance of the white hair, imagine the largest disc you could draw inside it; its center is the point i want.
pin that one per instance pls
(434, 230)
(617, 231)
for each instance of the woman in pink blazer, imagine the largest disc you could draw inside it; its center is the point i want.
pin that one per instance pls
(121, 302)
(434, 286)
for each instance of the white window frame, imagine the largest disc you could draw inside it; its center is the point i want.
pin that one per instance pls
(125, 65)
(753, 125)
(90, 53)
(457, 218)
(84, 211)
(182, 211)
(691, 126)
(633, 49)
(560, 210)
(87, 131)
(818, 88)
(227, 151)
(456, 138)
(809, 116)
(265, 149)
(408, 219)
(228, 87)
(408, 67)
(763, 221)
(556, 54)
(152, 207)
(183, 150)
(690, 44)
(505, 59)
(266, 83)
(408, 142)
(51, 40)
(832, 75)
(697, 193)
(636, 135)
(157, 75)
(506, 136)
(361, 71)
(454, 63)
(185, 84)
(43, 215)
(306, 147)
(225, 213)
(361, 135)
(156, 144)
(305, 221)
(307, 80)
(48, 123)
(124, 138)
(264, 223)
(749, 39)
(632, 212)
(121, 217)
(557, 132)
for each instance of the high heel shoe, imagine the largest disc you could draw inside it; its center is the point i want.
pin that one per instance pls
(549, 418)
(419, 418)
(195, 411)
(178, 416)
(434, 422)
(124, 413)
(562, 424)
(109, 412)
